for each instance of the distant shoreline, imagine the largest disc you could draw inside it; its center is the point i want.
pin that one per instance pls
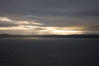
(52, 36)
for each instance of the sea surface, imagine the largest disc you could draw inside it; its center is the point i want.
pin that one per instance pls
(49, 51)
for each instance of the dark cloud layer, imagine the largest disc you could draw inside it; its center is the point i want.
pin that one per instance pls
(50, 7)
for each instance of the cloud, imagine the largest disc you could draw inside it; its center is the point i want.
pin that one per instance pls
(92, 27)
(6, 19)
(7, 22)
(41, 30)
(52, 12)
(33, 27)
(60, 31)
(33, 22)
(50, 7)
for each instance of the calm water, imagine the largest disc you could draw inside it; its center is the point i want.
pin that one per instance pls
(49, 52)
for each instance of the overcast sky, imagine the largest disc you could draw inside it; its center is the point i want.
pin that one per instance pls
(83, 14)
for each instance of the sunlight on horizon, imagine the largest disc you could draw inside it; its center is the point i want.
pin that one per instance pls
(33, 27)
(40, 31)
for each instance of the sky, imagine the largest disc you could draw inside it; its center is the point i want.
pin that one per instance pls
(41, 17)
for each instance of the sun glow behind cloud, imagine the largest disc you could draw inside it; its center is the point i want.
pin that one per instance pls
(33, 27)
(59, 31)
(5, 19)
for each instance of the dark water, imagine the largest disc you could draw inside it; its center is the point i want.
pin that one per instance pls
(49, 52)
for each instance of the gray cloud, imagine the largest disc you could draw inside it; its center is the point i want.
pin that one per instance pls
(50, 7)
(7, 24)
(93, 28)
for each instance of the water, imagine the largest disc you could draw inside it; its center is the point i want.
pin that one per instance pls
(49, 52)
